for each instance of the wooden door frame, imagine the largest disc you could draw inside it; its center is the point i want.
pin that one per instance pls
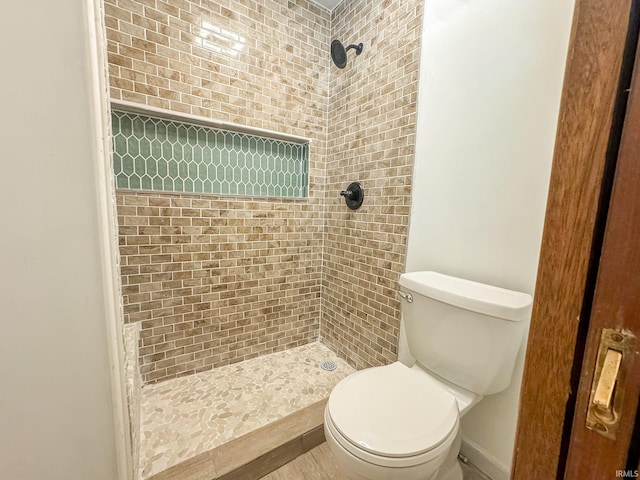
(616, 305)
(572, 231)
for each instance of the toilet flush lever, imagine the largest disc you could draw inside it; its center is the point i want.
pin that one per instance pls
(407, 296)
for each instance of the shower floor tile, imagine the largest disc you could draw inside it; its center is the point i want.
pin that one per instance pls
(186, 416)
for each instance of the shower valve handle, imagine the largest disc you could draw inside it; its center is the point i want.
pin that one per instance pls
(353, 195)
(346, 193)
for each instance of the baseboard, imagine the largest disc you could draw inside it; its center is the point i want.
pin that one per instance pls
(484, 461)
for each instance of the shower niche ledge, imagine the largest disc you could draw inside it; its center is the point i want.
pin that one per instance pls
(137, 108)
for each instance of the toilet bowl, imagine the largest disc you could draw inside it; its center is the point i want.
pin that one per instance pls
(399, 422)
(378, 428)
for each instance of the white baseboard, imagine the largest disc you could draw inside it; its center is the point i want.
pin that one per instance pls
(484, 461)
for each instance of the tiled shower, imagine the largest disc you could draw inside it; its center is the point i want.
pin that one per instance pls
(220, 278)
(370, 138)
(235, 242)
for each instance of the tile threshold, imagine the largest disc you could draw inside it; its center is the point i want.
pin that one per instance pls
(188, 416)
(257, 453)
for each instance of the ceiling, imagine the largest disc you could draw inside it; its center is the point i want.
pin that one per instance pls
(328, 4)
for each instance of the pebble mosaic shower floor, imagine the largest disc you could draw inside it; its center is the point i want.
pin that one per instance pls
(186, 416)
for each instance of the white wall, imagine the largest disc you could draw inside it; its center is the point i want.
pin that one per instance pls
(490, 84)
(56, 409)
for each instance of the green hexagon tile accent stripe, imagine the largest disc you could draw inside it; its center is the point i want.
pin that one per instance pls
(169, 156)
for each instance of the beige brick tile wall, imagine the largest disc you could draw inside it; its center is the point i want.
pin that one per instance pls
(372, 122)
(271, 74)
(216, 280)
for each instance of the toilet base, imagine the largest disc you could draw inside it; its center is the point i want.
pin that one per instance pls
(357, 469)
(453, 472)
(450, 469)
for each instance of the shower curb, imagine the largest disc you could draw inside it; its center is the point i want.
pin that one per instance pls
(257, 453)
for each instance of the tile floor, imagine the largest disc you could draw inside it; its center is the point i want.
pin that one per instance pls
(470, 472)
(319, 464)
(186, 416)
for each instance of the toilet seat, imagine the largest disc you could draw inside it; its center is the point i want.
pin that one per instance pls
(392, 416)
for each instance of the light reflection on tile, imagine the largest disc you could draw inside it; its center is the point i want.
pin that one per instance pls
(186, 416)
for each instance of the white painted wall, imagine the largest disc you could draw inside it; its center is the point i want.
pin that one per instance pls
(57, 291)
(490, 85)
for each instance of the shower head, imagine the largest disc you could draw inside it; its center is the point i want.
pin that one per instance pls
(339, 53)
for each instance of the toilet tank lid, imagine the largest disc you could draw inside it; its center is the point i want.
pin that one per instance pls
(476, 297)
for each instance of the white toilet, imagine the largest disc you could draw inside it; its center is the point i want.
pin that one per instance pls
(399, 422)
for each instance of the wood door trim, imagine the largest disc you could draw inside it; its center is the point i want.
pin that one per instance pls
(616, 305)
(596, 49)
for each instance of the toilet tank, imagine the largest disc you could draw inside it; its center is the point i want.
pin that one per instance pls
(465, 332)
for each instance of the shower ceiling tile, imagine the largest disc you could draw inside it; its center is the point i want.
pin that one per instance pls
(328, 4)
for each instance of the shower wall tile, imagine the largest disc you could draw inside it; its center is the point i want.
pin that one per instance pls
(257, 63)
(217, 280)
(371, 135)
(214, 279)
(170, 156)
